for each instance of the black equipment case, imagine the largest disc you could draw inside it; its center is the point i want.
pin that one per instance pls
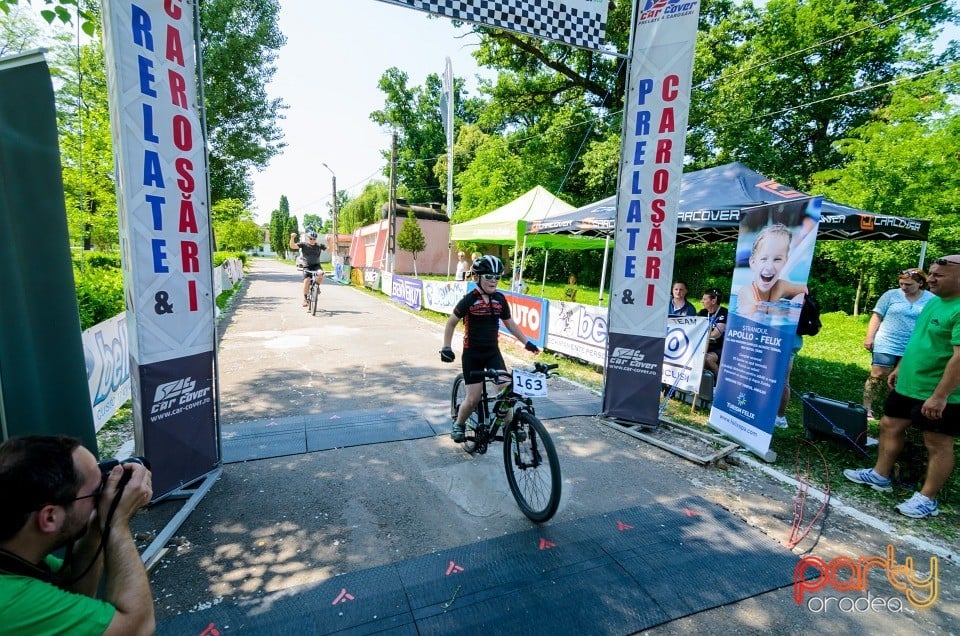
(833, 419)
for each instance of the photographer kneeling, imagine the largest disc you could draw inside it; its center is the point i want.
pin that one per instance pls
(53, 495)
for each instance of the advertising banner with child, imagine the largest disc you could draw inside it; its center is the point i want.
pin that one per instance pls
(774, 252)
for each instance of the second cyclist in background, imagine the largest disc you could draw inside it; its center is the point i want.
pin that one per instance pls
(310, 251)
(481, 311)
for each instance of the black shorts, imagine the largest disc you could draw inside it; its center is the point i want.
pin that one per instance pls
(480, 360)
(908, 408)
(311, 268)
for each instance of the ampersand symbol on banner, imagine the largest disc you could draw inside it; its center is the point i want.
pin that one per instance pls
(627, 298)
(162, 306)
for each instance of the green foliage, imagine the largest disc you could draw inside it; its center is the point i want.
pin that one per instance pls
(99, 289)
(410, 237)
(238, 235)
(312, 222)
(365, 209)
(240, 40)
(220, 257)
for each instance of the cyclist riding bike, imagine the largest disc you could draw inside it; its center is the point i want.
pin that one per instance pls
(481, 310)
(310, 251)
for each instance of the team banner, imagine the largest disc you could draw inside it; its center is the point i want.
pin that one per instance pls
(530, 315)
(581, 23)
(108, 367)
(683, 352)
(443, 296)
(774, 253)
(164, 223)
(407, 291)
(578, 330)
(651, 165)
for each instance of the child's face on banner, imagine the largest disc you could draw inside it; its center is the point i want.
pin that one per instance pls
(768, 260)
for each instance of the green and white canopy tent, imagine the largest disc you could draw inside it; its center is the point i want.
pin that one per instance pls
(507, 224)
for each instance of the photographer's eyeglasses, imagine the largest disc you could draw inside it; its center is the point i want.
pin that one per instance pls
(490, 276)
(95, 494)
(943, 261)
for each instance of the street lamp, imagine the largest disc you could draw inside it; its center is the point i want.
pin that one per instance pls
(336, 213)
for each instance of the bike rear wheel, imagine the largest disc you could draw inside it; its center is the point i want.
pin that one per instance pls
(315, 297)
(458, 395)
(532, 466)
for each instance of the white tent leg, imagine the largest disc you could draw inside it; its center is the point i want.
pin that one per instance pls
(543, 281)
(603, 271)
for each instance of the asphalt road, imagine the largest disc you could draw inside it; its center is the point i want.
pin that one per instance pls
(274, 524)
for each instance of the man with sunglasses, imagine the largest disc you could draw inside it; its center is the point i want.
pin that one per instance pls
(925, 393)
(53, 496)
(481, 310)
(310, 251)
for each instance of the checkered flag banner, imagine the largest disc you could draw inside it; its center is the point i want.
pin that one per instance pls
(580, 23)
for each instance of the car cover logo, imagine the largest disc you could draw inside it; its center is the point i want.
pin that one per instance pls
(180, 393)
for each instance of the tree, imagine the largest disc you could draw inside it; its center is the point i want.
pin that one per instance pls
(62, 11)
(905, 161)
(312, 222)
(365, 209)
(411, 239)
(784, 83)
(240, 39)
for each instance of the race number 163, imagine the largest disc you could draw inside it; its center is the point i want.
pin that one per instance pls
(529, 384)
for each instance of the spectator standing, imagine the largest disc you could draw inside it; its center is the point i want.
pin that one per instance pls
(925, 394)
(891, 324)
(462, 266)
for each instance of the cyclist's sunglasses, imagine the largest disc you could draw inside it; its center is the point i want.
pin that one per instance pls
(943, 261)
(490, 276)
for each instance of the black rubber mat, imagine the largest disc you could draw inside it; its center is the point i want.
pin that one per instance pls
(616, 573)
(275, 437)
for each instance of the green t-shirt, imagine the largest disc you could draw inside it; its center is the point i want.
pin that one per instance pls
(930, 347)
(31, 606)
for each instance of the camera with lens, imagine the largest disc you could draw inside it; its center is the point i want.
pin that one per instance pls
(107, 466)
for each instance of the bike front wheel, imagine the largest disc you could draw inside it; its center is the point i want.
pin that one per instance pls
(532, 466)
(315, 298)
(457, 396)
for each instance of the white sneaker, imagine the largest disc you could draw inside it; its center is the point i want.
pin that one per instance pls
(919, 506)
(781, 422)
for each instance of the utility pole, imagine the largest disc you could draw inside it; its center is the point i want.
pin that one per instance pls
(336, 213)
(392, 207)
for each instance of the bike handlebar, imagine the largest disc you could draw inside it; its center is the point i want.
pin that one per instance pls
(495, 374)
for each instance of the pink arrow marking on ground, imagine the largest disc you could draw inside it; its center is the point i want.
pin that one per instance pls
(343, 596)
(273, 424)
(691, 513)
(391, 410)
(334, 417)
(453, 568)
(621, 526)
(546, 545)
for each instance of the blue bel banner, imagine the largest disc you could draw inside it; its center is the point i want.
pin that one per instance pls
(774, 253)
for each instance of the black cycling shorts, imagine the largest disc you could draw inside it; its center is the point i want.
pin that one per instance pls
(311, 268)
(480, 360)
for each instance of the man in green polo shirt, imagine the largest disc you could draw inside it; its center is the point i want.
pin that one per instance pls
(925, 394)
(52, 496)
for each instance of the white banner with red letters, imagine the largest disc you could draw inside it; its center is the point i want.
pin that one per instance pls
(654, 138)
(164, 219)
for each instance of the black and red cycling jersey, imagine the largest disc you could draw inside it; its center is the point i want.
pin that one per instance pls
(481, 315)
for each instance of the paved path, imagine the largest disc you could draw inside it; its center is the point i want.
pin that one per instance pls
(274, 524)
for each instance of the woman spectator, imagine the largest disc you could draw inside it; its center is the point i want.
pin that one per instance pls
(890, 327)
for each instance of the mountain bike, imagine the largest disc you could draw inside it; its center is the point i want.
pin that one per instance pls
(314, 294)
(529, 456)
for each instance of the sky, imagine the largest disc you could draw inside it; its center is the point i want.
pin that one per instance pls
(327, 73)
